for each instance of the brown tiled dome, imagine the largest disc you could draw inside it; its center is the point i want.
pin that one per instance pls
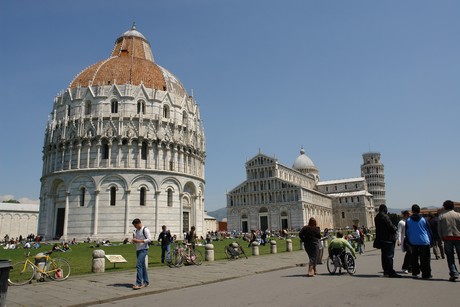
(131, 62)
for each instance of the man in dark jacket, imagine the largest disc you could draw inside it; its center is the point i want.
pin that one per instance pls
(385, 233)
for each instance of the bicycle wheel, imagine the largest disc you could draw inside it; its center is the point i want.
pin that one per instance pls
(59, 269)
(331, 266)
(176, 259)
(227, 253)
(21, 274)
(350, 264)
(242, 251)
(196, 257)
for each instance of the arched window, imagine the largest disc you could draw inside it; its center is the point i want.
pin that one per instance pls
(343, 214)
(82, 196)
(113, 196)
(88, 108)
(142, 197)
(170, 198)
(140, 107)
(166, 111)
(114, 106)
(184, 117)
(144, 151)
(68, 111)
(105, 150)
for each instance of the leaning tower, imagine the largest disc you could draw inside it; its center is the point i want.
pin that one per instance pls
(373, 170)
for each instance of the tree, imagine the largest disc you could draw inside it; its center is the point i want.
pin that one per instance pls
(11, 201)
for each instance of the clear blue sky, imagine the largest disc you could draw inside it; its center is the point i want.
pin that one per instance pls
(338, 77)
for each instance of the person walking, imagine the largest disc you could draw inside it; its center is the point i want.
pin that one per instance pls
(310, 236)
(385, 239)
(449, 231)
(165, 239)
(191, 237)
(438, 249)
(420, 239)
(401, 241)
(141, 237)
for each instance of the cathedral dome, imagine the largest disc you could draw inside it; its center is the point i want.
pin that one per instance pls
(303, 162)
(131, 62)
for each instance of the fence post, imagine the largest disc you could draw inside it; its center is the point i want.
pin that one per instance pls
(209, 252)
(255, 248)
(289, 245)
(273, 248)
(98, 261)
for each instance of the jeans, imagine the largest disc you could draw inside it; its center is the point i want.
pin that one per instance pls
(438, 249)
(142, 274)
(449, 247)
(388, 252)
(423, 253)
(165, 250)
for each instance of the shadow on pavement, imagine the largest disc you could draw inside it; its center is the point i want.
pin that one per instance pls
(121, 285)
(296, 275)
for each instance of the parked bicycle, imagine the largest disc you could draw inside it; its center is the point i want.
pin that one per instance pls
(234, 251)
(54, 268)
(183, 254)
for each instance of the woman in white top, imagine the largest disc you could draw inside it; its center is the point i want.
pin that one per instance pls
(400, 240)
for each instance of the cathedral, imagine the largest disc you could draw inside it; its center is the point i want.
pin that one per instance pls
(275, 196)
(123, 141)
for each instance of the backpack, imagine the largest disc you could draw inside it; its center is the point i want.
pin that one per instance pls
(143, 233)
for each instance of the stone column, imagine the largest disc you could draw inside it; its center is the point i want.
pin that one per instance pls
(255, 248)
(120, 146)
(98, 160)
(127, 222)
(157, 215)
(70, 156)
(98, 261)
(209, 252)
(78, 154)
(66, 216)
(273, 248)
(96, 212)
(88, 157)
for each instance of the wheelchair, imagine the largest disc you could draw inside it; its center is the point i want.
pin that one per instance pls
(339, 259)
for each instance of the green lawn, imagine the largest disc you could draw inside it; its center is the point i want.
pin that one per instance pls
(80, 257)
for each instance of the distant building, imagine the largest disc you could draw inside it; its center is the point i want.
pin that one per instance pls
(275, 197)
(18, 219)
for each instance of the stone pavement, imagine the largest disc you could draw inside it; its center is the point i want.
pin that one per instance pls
(93, 289)
(86, 290)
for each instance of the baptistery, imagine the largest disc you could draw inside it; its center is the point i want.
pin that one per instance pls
(123, 141)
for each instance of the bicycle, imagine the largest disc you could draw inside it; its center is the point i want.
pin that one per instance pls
(234, 250)
(341, 259)
(175, 258)
(184, 254)
(23, 272)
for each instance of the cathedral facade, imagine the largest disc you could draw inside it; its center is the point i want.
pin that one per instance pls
(123, 141)
(275, 197)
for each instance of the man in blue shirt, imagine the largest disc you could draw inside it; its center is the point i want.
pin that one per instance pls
(420, 238)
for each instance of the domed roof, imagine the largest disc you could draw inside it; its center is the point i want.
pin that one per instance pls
(303, 162)
(131, 62)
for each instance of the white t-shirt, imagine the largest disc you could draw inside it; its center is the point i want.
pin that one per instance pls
(142, 234)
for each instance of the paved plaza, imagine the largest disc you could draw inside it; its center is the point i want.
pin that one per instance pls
(270, 280)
